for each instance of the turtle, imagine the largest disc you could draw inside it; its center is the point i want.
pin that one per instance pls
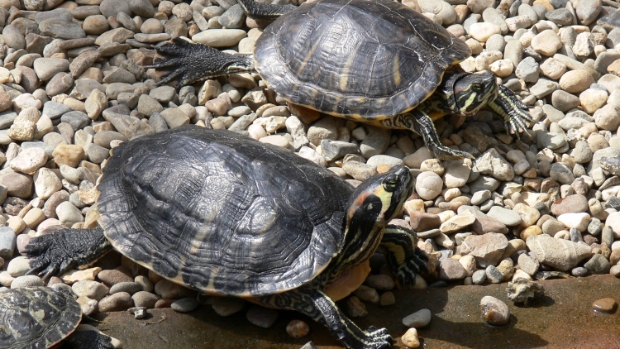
(373, 61)
(43, 317)
(227, 215)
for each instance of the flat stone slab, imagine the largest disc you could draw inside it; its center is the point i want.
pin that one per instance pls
(563, 319)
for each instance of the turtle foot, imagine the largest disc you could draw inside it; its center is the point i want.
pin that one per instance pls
(377, 338)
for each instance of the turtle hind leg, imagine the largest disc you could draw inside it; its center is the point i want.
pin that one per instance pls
(422, 124)
(512, 110)
(265, 11)
(317, 305)
(404, 258)
(56, 253)
(189, 62)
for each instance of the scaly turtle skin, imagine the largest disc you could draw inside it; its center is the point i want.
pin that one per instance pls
(41, 317)
(374, 61)
(227, 215)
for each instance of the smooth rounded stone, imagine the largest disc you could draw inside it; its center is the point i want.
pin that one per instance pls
(387, 298)
(46, 183)
(528, 264)
(358, 170)
(232, 17)
(169, 290)
(451, 269)
(128, 287)
(68, 213)
(13, 37)
(428, 185)
(588, 10)
(29, 160)
(607, 118)
(561, 16)
(16, 224)
(598, 264)
(17, 184)
(7, 243)
(479, 277)
(456, 172)
(88, 305)
(410, 338)
(592, 100)
(488, 249)
(507, 217)
(18, 266)
(184, 305)
(493, 274)
(76, 119)
(564, 101)
(95, 25)
(388, 160)
(570, 204)
(113, 7)
(113, 277)
(144, 299)
(527, 70)
(580, 272)
(380, 282)
(116, 302)
(46, 68)
(297, 329)
(144, 282)
(418, 319)
(355, 308)
(367, 294)
(262, 317)
(61, 29)
(68, 154)
(220, 37)
(375, 142)
(89, 288)
(558, 253)
(27, 281)
(333, 150)
(547, 43)
(615, 271)
(482, 31)
(605, 305)
(228, 306)
(494, 311)
(578, 221)
(456, 223)
(6, 279)
(576, 81)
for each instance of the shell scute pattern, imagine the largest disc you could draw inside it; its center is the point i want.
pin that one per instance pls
(36, 317)
(354, 62)
(235, 223)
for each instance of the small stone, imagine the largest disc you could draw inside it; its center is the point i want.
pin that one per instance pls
(410, 338)
(380, 282)
(297, 329)
(184, 305)
(262, 317)
(605, 305)
(228, 306)
(144, 299)
(26, 281)
(387, 298)
(355, 307)
(418, 319)
(117, 302)
(494, 311)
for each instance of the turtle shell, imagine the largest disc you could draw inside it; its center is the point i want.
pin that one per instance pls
(222, 213)
(361, 59)
(36, 317)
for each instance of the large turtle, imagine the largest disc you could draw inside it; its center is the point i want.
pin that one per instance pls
(227, 215)
(375, 61)
(41, 317)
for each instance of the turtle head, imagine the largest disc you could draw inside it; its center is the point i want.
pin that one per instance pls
(474, 91)
(379, 199)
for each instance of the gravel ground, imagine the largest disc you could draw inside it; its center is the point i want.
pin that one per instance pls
(539, 206)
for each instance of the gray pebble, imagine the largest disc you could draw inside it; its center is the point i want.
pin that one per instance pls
(262, 317)
(184, 305)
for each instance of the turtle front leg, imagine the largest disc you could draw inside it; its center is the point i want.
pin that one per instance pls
(403, 256)
(512, 110)
(259, 10)
(190, 62)
(88, 339)
(56, 253)
(317, 305)
(422, 124)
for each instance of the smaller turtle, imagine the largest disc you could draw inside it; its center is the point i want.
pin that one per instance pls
(372, 61)
(41, 317)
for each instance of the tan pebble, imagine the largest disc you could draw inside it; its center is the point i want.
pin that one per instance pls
(383, 168)
(605, 305)
(387, 298)
(355, 307)
(410, 338)
(297, 329)
(73, 276)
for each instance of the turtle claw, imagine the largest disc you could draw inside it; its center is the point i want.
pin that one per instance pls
(43, 253)
(377, 338)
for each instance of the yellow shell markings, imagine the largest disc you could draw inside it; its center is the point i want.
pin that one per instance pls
(395, 70)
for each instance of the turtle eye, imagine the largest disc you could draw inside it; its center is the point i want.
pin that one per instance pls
(476, 88)
(390, 184)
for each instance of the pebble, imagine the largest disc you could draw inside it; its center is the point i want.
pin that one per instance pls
(297, 329)
(605, 305)
(420, 318)
(27, 281)
(184, 305)
(494, 311)
(228, 306)
(116, 302)
(262, 317)
(144, 299)
(410, 338)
